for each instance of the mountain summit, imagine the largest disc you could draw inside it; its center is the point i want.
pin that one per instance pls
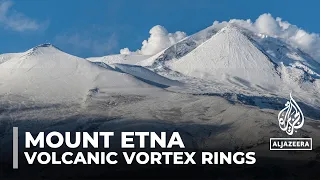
(229, 56)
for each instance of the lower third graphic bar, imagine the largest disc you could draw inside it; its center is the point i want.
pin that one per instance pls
(15, 148)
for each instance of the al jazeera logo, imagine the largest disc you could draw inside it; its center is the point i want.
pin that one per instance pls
(290, 120)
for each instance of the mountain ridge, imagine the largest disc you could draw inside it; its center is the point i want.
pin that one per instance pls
(279, 67)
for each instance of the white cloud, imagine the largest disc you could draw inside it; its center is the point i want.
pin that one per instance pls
(14, 20)
(159, 39)
(125, 51)
(276, 27)
(265, 24)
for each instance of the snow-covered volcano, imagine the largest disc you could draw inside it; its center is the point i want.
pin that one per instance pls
(45, 73)
(221, 59)
(229, 56)
(232, 59)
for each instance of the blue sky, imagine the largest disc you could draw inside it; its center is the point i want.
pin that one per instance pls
(94, 28)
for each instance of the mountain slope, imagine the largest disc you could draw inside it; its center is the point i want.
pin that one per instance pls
(48, 74)
(179, 49)
(119, 58)
(8, 56)
(146, 75)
